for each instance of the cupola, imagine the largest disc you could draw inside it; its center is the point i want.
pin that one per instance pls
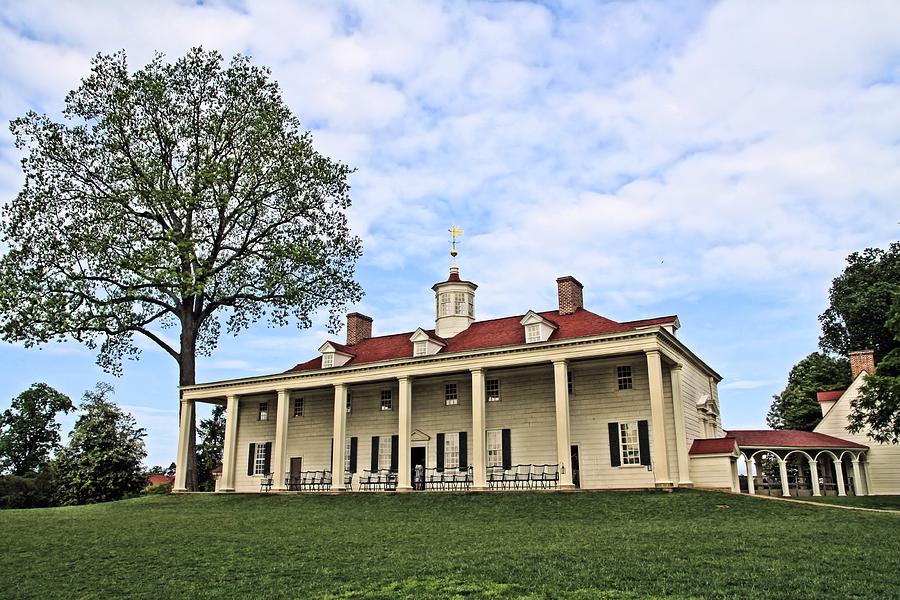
(454, 299)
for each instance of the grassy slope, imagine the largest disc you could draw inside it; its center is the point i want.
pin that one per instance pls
(880, 502)
(607, 545)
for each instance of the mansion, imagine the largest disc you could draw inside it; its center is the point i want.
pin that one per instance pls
(561, 398)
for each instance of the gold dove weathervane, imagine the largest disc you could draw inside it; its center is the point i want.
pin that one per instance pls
(455, 232)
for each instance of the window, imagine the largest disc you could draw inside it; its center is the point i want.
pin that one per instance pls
(384, 452)
(387, 400)
(451, 451)
(298, 407)
(629, 443)
(349, 404)
(569, 384)
(451, 394)
(459, 304)
(492, 390)
(532, 333)
(420, 348)
(494, 445)
(623, 375)
(327, 360)
(347, 454)
(259, 461)
(446, 302)
(263, 411)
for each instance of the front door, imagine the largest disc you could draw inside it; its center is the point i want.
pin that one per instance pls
(417, 459)
(576, 471)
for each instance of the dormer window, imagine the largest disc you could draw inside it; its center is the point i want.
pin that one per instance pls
(420, 348)
(424, 344)
(537, 328)
(334, 355)
(328, 360)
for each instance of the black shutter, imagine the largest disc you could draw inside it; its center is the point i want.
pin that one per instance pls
(644, 442)
(268, 466)
(463, 451)
(331, 455)
(440, 452)
(506, 436)
(353, 444)
(395, 452)
(251, 460)
(374, 464)
(614, 458)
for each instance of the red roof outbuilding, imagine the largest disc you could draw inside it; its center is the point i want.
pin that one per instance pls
(787, 438)
(829, 396)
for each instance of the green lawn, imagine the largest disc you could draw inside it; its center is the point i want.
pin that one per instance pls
(585, 545)
(882, 502)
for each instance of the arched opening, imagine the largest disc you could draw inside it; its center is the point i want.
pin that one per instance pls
(799, 473)
(767, 480)
(828, 473)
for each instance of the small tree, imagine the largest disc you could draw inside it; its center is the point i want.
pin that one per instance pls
(29, 431)
(212, 443)
(796, 407)
(175, 195)
(876, 410)
(102, 460)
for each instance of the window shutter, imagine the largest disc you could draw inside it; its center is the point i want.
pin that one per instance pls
(331, 455)
(374, 453)
(354, 442)
(463, 451)
(395, 452)
(614, 458)
(506, 437)
(251, 461)
(440, 452)
(268, 466)
(644, 442)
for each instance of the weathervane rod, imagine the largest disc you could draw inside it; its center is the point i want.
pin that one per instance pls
(455, 232)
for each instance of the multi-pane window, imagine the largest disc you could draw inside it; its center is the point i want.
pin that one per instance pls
(492, 390)
(347, 454)
(532, 333)
(570, 385)
(387, 400)
(459, 303)
(420, 348)
(327, 360)
(629, 443)
(263, 411)
(446, 304)
(494, 443)
(623, 376)
(384, 452)
(349, 404)
(451, 394)
(298, 407)
(451, 451)
(259, 461)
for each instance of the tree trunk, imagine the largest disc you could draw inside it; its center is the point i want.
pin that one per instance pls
(187, 375)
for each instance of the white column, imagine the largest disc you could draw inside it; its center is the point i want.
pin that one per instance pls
(681, 449)
(479, 473)
(659, 454)
(735, 477)
(339, 433)
(184, 446)
(404, 433)
(563, 440)
(229, 450)
(279, 451)
(839, 476)
(785, 489)
(857, 478)
(868, 480)
(750, 487)
(814, 475)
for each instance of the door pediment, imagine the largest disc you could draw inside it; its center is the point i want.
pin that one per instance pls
(419, 436)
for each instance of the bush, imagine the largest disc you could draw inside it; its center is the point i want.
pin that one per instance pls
(26, 492)
(160, 488)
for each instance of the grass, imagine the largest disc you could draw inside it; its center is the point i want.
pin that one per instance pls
(880, 502)
(615, 546)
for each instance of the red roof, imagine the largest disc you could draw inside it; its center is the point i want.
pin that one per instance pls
(787, 438)
(159, 479)
(494, 333)
(713, 446)
(829, 396)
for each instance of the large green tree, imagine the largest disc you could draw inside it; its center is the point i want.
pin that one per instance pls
(860, 303)
(212, 444)
(796, 407)
(876, 410)
(29, 431)
(102, 460)
(174, 197)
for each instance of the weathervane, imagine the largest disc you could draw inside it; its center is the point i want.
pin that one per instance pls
(455, 232)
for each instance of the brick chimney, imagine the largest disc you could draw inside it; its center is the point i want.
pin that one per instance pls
(863, 360)
(570, 294)
(359, 328)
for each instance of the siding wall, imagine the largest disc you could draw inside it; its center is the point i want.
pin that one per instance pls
(711, 472)
(526, 407)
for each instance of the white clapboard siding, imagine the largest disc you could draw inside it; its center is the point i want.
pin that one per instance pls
(711, 472)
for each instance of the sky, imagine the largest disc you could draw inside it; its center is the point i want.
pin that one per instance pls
(714, 160)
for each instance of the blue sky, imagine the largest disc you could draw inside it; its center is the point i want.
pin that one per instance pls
(713, 160)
